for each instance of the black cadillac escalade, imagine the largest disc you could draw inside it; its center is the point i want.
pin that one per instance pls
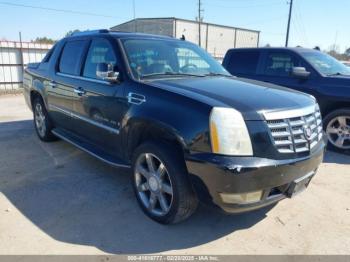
(188, 130)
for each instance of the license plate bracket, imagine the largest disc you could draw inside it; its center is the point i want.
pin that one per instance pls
(299, 185)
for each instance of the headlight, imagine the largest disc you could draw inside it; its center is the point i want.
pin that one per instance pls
(228, 132)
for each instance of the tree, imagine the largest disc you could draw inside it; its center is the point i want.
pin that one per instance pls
(347, 52)
(70, 32)
(44, 40)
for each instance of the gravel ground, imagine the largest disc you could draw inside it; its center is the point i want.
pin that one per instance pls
(55, 199)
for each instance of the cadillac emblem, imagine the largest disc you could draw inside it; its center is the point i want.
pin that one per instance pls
(307, 132)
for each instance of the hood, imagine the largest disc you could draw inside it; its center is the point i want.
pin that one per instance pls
(247, 96)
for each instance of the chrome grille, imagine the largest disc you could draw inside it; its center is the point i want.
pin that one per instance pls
(298, 133)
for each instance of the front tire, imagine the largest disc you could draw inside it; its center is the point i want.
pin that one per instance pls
(42, 123)
(337, 126)
(161, 184)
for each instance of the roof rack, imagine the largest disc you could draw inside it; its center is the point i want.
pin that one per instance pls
(89, 32)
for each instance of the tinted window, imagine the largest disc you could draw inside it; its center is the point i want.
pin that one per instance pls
(325, 64)
(280, 64)
(100, 51)
(71, 57)
(187, 58)
(167, 58)
(244, 62)
(47, 57)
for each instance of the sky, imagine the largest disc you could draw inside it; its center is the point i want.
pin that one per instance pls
(314, 22)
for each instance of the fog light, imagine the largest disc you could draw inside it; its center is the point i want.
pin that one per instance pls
(245, 198)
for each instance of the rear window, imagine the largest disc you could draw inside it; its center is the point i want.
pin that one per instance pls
(245, 62)
(71, 57)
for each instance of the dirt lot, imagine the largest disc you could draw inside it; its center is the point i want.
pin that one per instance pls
(55, 199)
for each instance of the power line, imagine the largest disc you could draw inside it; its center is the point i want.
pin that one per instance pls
(261, 21)
(227, 1)
(246, 6)
(58, 10)
(302, 24)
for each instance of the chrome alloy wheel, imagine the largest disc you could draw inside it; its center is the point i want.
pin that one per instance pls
(40, 122)
(338, 132)
(153, 184)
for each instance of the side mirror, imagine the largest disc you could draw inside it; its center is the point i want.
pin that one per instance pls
(107, 72)
(300, 72)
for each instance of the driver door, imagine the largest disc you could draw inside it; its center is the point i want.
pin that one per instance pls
(277, 70)
(98, 104)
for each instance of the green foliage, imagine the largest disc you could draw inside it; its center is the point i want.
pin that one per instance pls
(334, 51)
(44, 40)
(70, 32)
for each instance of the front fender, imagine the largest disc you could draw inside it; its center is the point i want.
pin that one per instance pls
(187, 125)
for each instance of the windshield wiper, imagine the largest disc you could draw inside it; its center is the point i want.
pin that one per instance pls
(169, 74)
(337, 74)
(217, 74)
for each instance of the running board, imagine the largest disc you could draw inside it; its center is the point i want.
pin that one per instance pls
(89, 148)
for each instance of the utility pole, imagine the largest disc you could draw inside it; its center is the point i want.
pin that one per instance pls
(21, 51)
(200, 10)
(290, 15)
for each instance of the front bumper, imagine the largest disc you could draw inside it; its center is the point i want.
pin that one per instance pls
(213, 174)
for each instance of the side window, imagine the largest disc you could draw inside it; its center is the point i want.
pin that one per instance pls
(71, 57)
(280, 64)
(100, 51)
(245, 62)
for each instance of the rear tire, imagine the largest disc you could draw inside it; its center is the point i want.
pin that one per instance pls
(161, 184)
(42, 122)
(337, 127)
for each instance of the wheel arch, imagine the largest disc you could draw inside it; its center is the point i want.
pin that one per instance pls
(342, 105)
(142, 130)
(37, 91)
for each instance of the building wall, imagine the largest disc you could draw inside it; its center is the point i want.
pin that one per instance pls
(14, 56)
(246, 39)
(220, 39)
(191, 32)
(215, 39)
(149, 26)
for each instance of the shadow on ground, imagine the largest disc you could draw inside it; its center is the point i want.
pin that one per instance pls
(75, 198)
(342, 158)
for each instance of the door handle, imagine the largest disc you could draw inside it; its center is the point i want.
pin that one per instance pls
(79, 91)
(52, 84)
(136, 99)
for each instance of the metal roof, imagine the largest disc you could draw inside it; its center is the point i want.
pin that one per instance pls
(186, 20)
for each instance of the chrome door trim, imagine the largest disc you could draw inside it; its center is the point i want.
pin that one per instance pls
(52, 84)
(84, 78)
(79, 92)
(85, 119)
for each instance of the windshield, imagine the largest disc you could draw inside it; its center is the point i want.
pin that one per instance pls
(326, 64)
(160, 58)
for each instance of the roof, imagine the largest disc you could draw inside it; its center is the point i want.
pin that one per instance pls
(185, 20)
(117, 34)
